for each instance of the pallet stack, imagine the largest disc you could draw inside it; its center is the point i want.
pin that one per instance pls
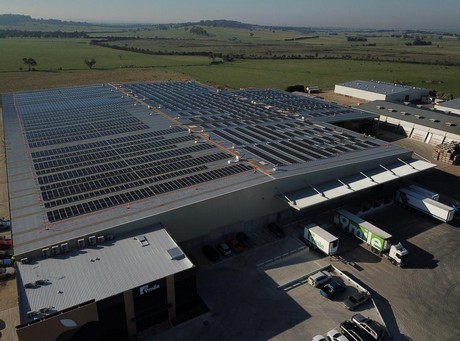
(448, 153)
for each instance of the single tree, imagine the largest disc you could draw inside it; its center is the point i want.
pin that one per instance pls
(90, 62)
(29, 62)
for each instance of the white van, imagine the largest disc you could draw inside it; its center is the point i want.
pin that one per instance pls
(319, 278)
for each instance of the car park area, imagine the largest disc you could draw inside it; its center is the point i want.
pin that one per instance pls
(415, 304)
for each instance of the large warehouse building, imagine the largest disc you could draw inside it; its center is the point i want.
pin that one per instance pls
(105, 180)
(377, 90)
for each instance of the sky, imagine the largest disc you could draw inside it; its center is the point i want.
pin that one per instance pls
(377, 14)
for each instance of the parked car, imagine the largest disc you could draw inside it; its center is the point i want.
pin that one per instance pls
(333, 288)
(334, 335)
(235, 245)
(319, 338)
(244, 239)
(276, 230)
(5, 244)
(7, 273)
(356, 300)
(6, 262)
(224, 249)
(6, 253)
(319, 278)
(211, 253)
(353, 332)
(373, 328)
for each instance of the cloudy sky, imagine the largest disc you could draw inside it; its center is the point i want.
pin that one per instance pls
(407, 14)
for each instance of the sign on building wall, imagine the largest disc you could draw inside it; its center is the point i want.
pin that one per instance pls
(145, 289)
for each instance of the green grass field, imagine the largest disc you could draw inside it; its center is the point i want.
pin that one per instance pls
(67, 56)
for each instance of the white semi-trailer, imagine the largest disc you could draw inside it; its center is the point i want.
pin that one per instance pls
(426, 192)
(377, 239)
(425, 204)
(318, 237)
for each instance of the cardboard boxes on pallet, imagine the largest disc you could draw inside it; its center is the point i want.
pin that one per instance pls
(448, 153)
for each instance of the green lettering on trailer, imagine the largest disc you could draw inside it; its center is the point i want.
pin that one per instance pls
(311, 238)
(359, 231)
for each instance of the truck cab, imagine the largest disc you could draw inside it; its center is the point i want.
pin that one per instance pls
(398, 254)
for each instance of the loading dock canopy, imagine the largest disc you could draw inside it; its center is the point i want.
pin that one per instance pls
(350, 184)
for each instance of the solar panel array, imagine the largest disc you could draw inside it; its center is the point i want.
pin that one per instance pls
(96, 147)
(92, 149)
(306, 106)
(250, 121)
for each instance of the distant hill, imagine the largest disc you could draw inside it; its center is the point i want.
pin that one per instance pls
(22, 20)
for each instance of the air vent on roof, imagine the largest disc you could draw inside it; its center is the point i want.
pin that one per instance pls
(100, 239)
(46, 252)
(405, 113)
(92, 240)
(434, 120)
(392, 110)
(380, 107)
(450, 124)
(420, 117)
(55, 250)
(24, 260)
(143, 240)
(32, 314)
(64, 247)
(176, 253)
(81, 243)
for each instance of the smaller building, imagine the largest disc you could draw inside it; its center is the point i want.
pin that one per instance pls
(115, 288)
(377, 90)
(421, 124)
(452, 106)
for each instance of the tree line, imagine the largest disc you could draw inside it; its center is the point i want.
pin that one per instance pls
(42, 34)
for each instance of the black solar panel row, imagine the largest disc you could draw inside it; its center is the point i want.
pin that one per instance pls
(158, 134)
(87, 136)
(136, 160)
(65, 164)
(123, 198)
(110, 153)
(105, 186)
(70, 117)
(264, 156)
(80, 185)
(52, 132)
(98, 172)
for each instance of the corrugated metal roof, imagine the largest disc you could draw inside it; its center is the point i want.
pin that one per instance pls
(452, 104)
(379, 87)
(98, 272)
(413, 114)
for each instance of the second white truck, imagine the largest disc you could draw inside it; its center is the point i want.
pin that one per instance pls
(377, 239)
(425, 204)
(318, 237)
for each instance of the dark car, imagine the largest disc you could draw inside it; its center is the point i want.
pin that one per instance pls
(333, 288)
(356, 300)
(211, 253)
(276, 230)
(374, 329)
(244, 239)
(235, 245)
(353, 332)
